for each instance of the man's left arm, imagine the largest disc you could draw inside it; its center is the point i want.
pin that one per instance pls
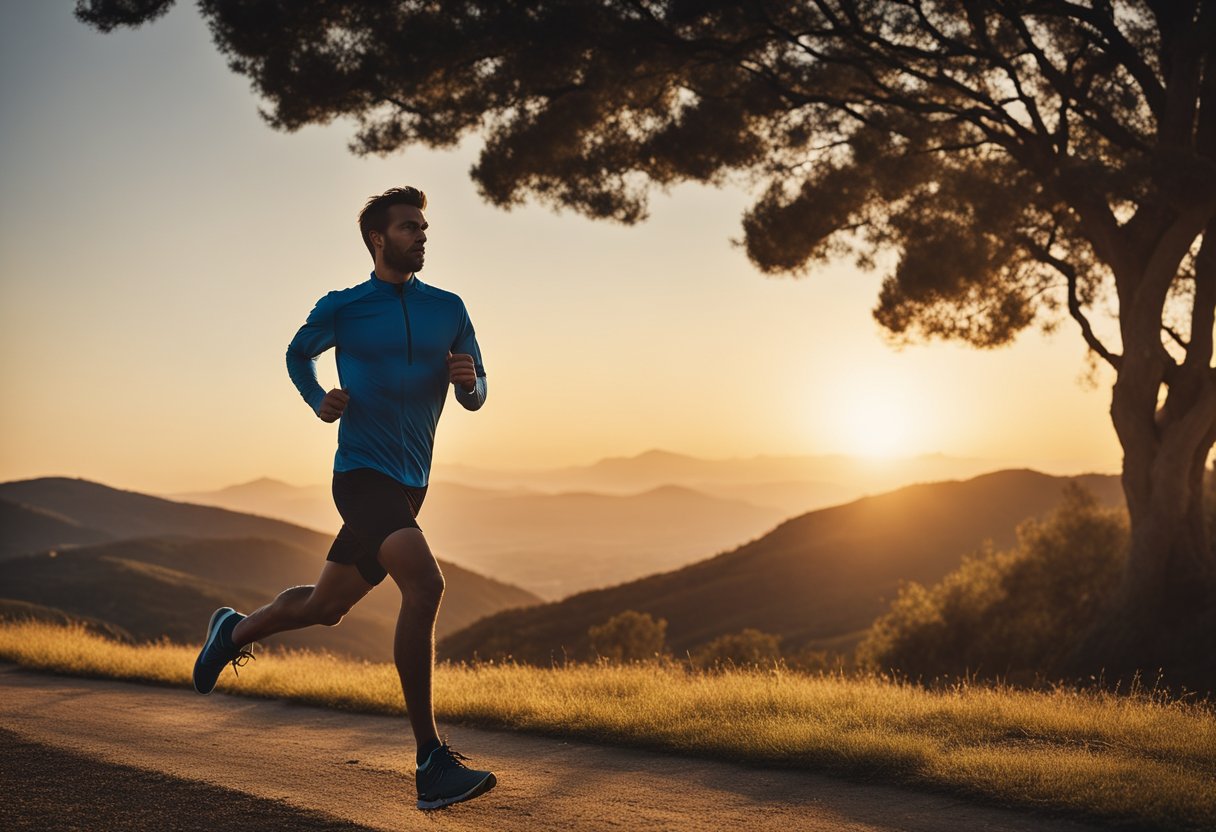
(465, 370)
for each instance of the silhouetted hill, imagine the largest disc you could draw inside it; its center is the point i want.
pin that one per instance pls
(817, 580)
(127, 514)
(207, 557)
(143, 598)
(28, 529)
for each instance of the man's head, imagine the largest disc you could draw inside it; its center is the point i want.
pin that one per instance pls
(392, 224)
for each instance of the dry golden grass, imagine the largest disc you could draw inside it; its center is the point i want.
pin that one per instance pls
(1140, 759)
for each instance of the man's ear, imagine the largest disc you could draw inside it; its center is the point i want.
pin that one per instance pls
(376, 238)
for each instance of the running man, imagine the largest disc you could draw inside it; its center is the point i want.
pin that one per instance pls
(399, 344)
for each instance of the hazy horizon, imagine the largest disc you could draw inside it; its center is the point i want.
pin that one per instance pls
(444, 473)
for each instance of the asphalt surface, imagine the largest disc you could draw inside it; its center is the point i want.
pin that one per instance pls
(47, 788)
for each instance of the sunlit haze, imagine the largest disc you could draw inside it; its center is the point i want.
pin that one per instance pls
(159, 246)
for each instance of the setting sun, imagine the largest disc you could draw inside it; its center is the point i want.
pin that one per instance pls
(880, 415)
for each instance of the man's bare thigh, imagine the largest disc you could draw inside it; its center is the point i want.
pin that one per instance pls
(339, 584)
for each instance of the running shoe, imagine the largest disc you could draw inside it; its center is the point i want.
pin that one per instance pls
(444, 779)
(218, 650)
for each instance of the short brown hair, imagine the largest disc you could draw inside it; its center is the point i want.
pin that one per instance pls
(374, 216)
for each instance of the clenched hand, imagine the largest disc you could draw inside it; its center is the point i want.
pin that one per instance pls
(462, 372)
(332, 405)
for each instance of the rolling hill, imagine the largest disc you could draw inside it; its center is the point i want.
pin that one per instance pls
(196, 558)
(28, 529)
(817, 580)
(127, 514)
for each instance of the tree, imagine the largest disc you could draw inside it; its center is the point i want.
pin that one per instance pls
(747, 648)
(629, 637)
(1022, 159)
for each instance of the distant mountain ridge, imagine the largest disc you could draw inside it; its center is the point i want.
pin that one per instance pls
(630, 474)
(817, 580)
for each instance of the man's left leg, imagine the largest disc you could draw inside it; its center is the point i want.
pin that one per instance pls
(339, 588)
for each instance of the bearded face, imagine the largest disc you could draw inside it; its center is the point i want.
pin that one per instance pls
(402, 259)
(404, 246)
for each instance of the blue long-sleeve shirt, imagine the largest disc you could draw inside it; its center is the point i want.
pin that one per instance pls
(391, 342)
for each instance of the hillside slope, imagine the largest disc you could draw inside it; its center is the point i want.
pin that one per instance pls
(130, 514)
(154, 584)
(168, 587)
(28, 529)
(817, 580)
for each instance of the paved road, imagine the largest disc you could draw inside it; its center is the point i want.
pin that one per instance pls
(164, 755)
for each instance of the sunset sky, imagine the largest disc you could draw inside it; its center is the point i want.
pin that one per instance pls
(159, 246)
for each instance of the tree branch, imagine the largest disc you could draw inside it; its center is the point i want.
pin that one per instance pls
(898, 58)
(1043, 255)
(979, 29)
(1178, 339)
(1102, 121)
(1102, 18)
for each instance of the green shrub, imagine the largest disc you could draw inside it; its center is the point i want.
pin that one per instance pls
(750, 647)
(629, 637)
(1007, 614)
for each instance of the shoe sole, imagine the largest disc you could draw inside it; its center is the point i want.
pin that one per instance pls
(481, 788)
(213, 630)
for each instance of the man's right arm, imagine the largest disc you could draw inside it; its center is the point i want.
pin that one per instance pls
(315, 337)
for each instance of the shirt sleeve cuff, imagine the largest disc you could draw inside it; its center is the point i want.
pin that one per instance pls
(475, 399)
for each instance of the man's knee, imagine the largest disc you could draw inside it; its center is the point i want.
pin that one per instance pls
(423, 586)
(431, 585)
(331, 615)
(328, 612)
(408, 559)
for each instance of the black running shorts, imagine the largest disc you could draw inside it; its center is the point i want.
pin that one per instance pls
(373, 506)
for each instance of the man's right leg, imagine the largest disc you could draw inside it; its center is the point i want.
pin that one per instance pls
(442, 778)
(338, 589)
(409, 562)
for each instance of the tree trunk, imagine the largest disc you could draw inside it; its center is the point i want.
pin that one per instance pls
(1162, 617)
(1164, 613)
(1170, 569)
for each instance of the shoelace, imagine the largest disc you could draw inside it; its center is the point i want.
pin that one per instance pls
(453, 755)
(242, 659)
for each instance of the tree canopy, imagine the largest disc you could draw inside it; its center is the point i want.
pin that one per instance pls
(998, 147)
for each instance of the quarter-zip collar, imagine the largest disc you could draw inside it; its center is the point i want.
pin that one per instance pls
(402, 292)
(406, 289)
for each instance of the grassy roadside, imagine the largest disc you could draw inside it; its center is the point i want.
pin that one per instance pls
(1138, 760)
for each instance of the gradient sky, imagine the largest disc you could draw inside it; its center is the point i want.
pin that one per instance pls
(159, 246)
